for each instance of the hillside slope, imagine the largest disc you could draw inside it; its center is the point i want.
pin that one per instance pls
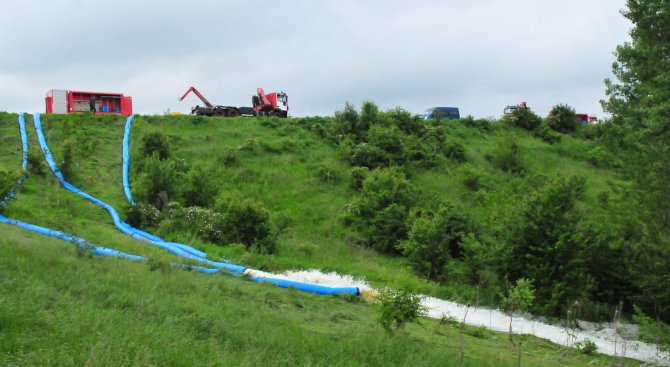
(153, 314)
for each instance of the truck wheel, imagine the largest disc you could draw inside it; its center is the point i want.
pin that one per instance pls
(233, 113)
(277, 114)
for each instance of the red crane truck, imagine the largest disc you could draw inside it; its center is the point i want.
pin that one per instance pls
(272, 104)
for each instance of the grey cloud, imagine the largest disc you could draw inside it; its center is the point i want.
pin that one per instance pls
(478, 55)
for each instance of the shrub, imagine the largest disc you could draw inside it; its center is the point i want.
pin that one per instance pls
(7, 182)
(327, 174)
(155, 143)
(600, 157)
(367, 155)
(547, 134)
(142, 215)
(386, 227)
(160, 178)
(434, 240)
(390, 141)
(406, 122)
(358, 175)
(378, 214)
(200, 188)
(396, 308)
(525, 119)
(66, 165)
(562, 119)
(586, 346)
(35, 164)
(368, 116)
(246, 222)
(453, 150)
(472, 177)
(345, 123)
(506, 154)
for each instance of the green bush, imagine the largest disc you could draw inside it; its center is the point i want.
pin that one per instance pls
(472, 177)
(66, 165)
(601, 157)
(358, 176)
(586, 346)
(391, 142)
(155, 143)
(547, 134)
(200, 188)
(7, 182)
(525, 119)
(435, 239)
(453, 150)
(506, 154)
(367, 155)
(327, 174)
(247, 222)
(562, 118)
(142, 215)
(397, 308)
(650, 330)
(379, 214)
(35, 164)
(159, 180)
(345, 124)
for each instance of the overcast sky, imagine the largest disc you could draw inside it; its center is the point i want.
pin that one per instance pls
(478, 55)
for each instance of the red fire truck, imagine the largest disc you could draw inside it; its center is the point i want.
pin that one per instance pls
(72, 101)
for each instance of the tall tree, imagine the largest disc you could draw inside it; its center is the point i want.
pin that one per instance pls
(639, 102)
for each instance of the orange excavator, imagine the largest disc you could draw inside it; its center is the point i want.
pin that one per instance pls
(271, 104)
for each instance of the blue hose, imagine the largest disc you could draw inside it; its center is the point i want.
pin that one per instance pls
(180, 250)
(126, 159)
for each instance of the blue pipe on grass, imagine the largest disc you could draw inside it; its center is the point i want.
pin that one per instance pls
(180, 250)
(306, 287)
(126, 159)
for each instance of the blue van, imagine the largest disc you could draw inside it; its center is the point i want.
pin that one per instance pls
(447, 113)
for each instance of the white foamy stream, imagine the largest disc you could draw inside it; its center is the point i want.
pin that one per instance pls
(606, 338)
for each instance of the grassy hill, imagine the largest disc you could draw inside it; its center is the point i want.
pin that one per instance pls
(61, 306)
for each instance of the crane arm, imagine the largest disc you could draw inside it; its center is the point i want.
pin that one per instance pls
(197, 93)
(262, 100)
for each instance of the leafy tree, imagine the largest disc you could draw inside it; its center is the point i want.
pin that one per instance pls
(639, 102)
(543, 249)
(562, 119)
(518, 298)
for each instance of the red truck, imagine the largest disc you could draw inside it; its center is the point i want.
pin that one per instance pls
(73, 101)
(271, 104)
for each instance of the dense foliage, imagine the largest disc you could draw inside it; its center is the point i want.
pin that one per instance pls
(639, 136)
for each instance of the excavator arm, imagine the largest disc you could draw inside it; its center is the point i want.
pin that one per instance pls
(197, 93)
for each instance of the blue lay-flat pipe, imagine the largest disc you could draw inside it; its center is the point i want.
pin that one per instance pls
(80, 242)
(306, 287)
(182, 250)
(126, 159)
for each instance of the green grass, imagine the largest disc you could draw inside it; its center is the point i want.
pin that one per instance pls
(60, 306)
